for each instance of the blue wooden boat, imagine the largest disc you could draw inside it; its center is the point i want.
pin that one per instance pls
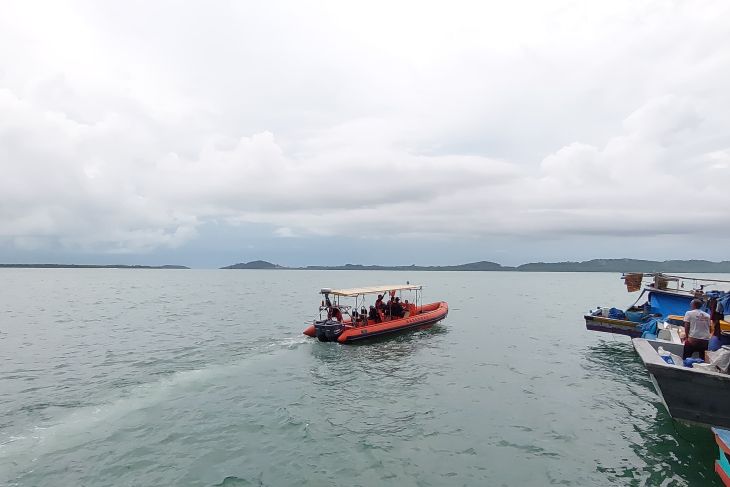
(722, 464)
(663, 299)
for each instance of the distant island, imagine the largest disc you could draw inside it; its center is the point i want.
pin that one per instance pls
(629, 265)
(256, 264)
(595, 265)
(90, 266)
(473, 266)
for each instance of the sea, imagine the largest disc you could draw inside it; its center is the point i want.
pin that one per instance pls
(137, 377)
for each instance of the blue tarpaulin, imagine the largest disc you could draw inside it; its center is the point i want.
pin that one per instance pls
(668, 304)
(650, 328)
(616, 314)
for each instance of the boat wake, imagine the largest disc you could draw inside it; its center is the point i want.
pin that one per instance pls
(87, 423)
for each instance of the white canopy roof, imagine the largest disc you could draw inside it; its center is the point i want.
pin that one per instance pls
(356, 291)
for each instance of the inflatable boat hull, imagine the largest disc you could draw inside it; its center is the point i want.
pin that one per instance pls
(427, 316)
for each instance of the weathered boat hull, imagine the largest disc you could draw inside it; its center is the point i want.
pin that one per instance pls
(429, 315)
(690, 395)
(665, 304)
(611, 325)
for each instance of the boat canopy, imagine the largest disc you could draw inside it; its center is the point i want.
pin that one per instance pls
(357, 291)
(669, 304)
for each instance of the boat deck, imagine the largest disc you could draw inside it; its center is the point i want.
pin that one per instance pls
(692, 394)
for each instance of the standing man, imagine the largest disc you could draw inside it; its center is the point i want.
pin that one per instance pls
(696, 329)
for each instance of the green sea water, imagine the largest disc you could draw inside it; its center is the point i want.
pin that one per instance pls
(203, 378)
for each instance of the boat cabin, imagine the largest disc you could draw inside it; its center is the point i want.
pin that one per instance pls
(358, 306)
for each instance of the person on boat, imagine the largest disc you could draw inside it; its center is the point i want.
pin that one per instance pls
(336, 314)
(697, 330)
(379, 304)
(391, 303)
(396, 310)
(715, 316)
(374, 315)
(718, 338)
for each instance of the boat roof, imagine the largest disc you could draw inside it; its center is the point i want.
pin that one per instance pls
(357, 291)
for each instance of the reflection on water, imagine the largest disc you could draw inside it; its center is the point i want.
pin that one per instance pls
(618, 358)
(671, 451)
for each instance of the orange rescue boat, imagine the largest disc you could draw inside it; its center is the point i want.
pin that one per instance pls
(344, 323)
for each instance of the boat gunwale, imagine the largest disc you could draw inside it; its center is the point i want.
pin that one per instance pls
(651, 359)
(673, 384)
(425, 318)
(433, 321)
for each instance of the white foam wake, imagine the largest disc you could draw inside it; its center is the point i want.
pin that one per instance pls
(90, 422)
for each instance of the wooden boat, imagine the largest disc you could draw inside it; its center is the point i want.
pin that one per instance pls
(693, 395)
(668, 297)
(348, 323)
(722, 464)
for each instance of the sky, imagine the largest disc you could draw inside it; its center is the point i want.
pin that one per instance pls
(380, 132)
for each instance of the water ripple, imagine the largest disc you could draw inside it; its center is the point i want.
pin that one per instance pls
(203, 378)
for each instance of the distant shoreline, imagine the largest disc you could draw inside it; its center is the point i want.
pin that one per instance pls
(89, 266)
(595, 265)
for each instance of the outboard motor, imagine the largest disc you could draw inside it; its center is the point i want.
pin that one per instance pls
(328, 330)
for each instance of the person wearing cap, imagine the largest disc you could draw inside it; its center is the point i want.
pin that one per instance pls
(696, 329)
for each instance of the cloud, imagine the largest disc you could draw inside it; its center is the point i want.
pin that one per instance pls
(284, 232)
(123, 133)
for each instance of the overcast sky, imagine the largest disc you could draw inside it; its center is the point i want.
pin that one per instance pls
(206, 133)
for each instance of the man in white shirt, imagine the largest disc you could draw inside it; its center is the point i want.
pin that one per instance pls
(697, 330)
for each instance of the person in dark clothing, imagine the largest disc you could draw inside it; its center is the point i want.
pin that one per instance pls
(336, 314)
(379, 304)
(396, 310)
(374, 314)
(717, 313)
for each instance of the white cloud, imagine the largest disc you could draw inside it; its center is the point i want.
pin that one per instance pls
(123, 127)
(284, 232)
